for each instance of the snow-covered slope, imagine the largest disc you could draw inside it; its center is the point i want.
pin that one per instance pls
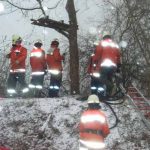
(51, 124)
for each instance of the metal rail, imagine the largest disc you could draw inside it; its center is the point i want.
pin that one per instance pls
(141, 104)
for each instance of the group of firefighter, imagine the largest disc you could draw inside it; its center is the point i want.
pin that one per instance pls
(105, 61)
(41, 64)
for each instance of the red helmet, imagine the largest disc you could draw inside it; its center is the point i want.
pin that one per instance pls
(55, 42)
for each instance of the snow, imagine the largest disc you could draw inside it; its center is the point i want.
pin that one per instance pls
(1, 7)
(45, 8)
(52, 124)
(93, 30)
(123, 44)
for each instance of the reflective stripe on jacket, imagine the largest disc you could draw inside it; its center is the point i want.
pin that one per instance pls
(108, 50)
(37, 60)
(93, 126)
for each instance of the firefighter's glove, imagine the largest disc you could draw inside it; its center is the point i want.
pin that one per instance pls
(118, 65)
(50, 51)
(64, 55)
(8, 56)
(45, 72)
(118, 68)
(17, 62)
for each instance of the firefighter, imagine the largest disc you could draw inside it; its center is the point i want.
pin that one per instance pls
(108, 56)
(94, 71)
(93, 127)
(38, 67)
(54, 61)
(17, 57)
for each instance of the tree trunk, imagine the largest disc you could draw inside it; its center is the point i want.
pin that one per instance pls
(74, 61)
(73, 48)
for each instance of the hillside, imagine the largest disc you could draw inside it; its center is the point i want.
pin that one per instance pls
(51, 124)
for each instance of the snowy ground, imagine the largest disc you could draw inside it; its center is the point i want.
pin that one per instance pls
(51, 124)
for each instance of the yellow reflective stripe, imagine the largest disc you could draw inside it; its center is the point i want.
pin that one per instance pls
(109, 44)
(56, 72)
(93, 144)
(108, 63)
(92, 118)
(18, 70)
(36, 54)
(37, 73)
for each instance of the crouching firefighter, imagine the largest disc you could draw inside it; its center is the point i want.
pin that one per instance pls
(38, 66)
(17, 57)
(93, 127)
(54, 61)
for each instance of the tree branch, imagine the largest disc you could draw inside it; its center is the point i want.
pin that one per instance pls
(41, 7)
(55, 5)
(63, 33)
(71, 12)
(22, 8)
(61, 27)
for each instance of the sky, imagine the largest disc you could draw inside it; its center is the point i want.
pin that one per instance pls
(16, 23)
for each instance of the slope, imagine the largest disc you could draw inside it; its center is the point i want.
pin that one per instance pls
(51, 124)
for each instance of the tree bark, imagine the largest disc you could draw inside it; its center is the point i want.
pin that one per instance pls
(74, 61)
(73, 48)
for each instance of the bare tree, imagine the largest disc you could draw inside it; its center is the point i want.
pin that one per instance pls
(3, 65)
(68, 30)
(129, 20)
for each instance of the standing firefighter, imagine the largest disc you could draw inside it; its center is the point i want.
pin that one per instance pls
(108, 55)
(54, 62)
(38, 66)
(94, 71)
(17, 58)
(93, 126)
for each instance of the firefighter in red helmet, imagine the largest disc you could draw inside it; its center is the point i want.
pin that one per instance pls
(108, 56)
(93, 127)
(38, 68)
(17, 57)
(54, 61)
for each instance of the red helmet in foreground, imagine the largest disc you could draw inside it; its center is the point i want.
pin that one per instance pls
(4, 148)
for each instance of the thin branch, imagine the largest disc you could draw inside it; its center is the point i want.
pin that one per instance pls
(41, 7)
(55, 5)
(63, 33)
(22, 8)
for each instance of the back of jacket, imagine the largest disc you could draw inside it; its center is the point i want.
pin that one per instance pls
(37, 60)
(93, 120)
(19, 54)
(54, 60)
(108, 50)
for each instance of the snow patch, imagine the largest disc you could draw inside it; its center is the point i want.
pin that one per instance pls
(52, 124)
